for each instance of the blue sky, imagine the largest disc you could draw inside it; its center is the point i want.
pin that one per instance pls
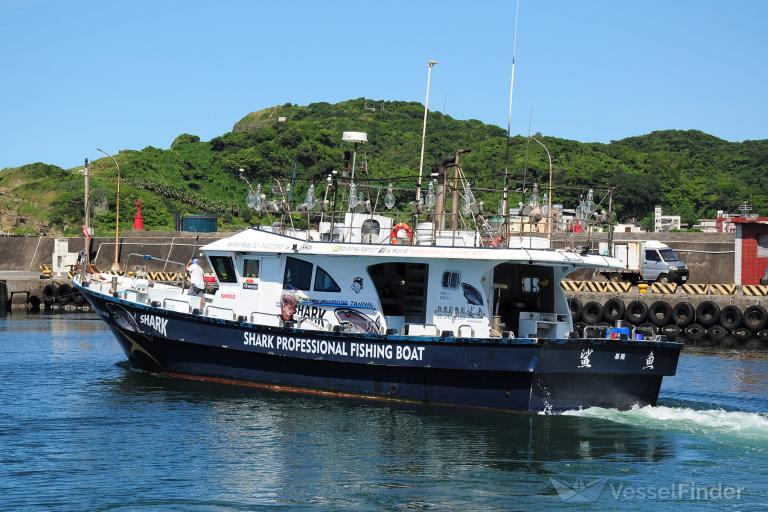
(77, 75)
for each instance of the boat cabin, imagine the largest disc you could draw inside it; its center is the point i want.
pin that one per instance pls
(272, 279)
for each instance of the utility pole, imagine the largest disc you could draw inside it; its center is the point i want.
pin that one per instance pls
(610, 222)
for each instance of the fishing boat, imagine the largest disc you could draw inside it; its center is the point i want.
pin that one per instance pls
(361, 304)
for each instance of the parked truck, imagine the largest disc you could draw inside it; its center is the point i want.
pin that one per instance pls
(648, 260)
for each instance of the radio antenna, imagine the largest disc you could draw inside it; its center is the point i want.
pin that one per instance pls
(505, 198)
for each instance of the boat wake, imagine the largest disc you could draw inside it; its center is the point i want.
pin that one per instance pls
(718, 424)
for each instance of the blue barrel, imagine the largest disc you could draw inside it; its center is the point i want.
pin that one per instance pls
(199, 223)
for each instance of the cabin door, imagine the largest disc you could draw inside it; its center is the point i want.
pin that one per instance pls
(251, 270)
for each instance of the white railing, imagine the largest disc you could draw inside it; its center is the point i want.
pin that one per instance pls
(462, 328)
(321, 323)
(225, 313)
(272, 319)
(187, 306)
(420, 330)
(135, 295)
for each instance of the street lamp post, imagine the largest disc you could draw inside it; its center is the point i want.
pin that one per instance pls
(84, 260)
(549, 200)
(116, 262)
(430, 64)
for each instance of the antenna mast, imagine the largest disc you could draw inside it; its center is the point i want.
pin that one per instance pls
(430, 64)
(505, 199)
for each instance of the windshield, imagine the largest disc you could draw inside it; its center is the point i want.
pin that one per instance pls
(668, 255)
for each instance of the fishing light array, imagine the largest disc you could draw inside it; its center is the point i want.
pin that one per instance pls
(389, 198)
(535, 208)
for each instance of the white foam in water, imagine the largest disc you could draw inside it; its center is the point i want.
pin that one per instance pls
(717, 423)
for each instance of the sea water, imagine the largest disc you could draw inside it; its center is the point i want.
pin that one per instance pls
(80, 432)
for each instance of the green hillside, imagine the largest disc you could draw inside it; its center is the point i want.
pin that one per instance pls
(688, 172)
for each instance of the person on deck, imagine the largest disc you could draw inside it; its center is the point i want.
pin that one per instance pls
(196, 281)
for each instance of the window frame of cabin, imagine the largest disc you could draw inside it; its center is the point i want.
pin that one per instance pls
(319, 269)
(246, 263)
(288, 262)
(230, 274)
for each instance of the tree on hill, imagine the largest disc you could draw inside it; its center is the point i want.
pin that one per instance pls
(688, 172)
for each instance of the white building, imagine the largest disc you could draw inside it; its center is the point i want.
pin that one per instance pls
(664, 222)
(722, 223)
(630, 227)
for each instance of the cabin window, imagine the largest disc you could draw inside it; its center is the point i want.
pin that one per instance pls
(451, 279)
(298, 274)
(251, 268)
(225, 270)
(531, 284)
(324, 282)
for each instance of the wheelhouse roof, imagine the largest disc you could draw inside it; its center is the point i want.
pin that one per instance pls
(264, 242)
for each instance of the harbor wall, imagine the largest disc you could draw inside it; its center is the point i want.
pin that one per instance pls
(29, 253)
(709, 256)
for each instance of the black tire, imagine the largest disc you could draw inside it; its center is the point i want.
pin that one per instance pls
(660, 313)
(49, 294)
(576, 309)
(614, 277)
(695, 331)
(64, 294)
(730, 317)
(614, 310)
(592, 312)
(755, 317)
(649, 325)
(683, 314)
(729, 341)
(636, 312)
(671, 331)
(78, 299)
(707, 313)
(742, 333)
(34, 304)
(763, 334)
(717, 332)
(663, 278)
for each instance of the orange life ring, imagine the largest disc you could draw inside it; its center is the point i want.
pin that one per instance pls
(398, 227)
(496, 242)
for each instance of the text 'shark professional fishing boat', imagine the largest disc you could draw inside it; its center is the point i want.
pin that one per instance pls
(366, 306)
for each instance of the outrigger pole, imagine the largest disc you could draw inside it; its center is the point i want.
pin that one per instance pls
(424, 133)
(505, 198)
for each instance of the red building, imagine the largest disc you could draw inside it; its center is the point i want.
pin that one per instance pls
(751, 246)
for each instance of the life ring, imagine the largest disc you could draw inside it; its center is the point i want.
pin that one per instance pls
(397, 228)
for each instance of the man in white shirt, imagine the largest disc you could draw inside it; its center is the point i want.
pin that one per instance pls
(196, 281)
